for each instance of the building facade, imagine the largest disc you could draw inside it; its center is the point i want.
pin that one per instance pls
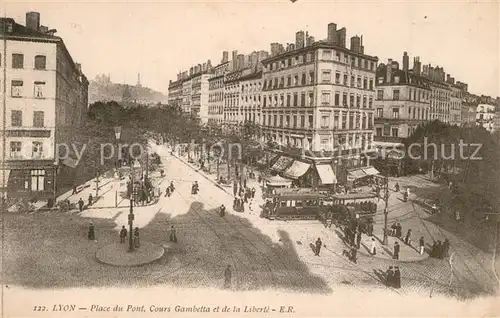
(200, 96)
(317, 97)
(251, 89)
(45, 98)
(485, 116)
(402, 102)
(233, 114)
(216, 93)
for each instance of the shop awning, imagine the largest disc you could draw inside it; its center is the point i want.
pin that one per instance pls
(4, 175)
(371, 171)
(356, 174)
(386, 144)
(296, 170)
(326, 174)
(278, 181)
(282, 164)
(70, 162)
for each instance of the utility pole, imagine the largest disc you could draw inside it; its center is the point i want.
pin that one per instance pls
(131, 219)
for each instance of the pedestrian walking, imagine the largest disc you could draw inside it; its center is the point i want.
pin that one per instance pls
(354, 255)
(393, 229)
(91, 234)
(421, 243)
(173, 235)
(399, 230)
(408, 237)
(235, 204)
(123, 234)
(222, 210)
(90, 199)
(253, 192)
(389, 277)
(373, 248)
(347, 233)
(439, 250)
(318, 247)
(370, 229)
(137, 242)
(235, 190)
(446, 248)
(74, 188)
(227, 277)
(434, 250)
(396, 250)
(80, 204)
(358, 240)
(397, 278)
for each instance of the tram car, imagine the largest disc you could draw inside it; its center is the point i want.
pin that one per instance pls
(355, 208)
(296, 204)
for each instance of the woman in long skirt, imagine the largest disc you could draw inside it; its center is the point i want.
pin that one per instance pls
(373, 248)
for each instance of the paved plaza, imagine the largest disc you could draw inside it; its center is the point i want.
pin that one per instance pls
(263, 254)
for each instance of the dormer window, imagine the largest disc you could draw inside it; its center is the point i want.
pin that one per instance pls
(396, 79)
(380, 79)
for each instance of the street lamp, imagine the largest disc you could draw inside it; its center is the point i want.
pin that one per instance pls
(131, 216)
(56, 166)
(386, 199)
(118, 133)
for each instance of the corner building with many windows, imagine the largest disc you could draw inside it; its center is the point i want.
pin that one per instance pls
(45, 96)
(319, 97)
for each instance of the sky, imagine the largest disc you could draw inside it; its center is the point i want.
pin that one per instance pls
(161, 38)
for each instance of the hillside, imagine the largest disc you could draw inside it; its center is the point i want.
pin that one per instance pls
(106, 91)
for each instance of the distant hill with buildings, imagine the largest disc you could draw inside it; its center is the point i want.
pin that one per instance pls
(102, 89)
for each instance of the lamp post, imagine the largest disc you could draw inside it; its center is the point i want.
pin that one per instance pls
(118, 133)
(56, 165)
(97, 185)
(386, 199)
(131, 217)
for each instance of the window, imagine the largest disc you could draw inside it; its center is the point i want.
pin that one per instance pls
(296, 80)
(336, 120)
(282, 100)
(344, 99)
(39, 86)
(352, 81)
(311, 77)
(40, 62)
(295, 99)
(311, 99)
(325, 121)
(378, 131)
(37, 180)
(358, 101)
(351, 121)
(351, 100)
(337, 77)
(294, 121)
(281, 120)
(345, 79)
(337, 98)
(359, 81)
(15, 149)
(365, 83)
(303, 79)
(370, 102)
(288, 98)
(395, 113)
(302, 121)
(364, 101)
(326, 76)
(394, 132)
(16, 117)
(380, 113)
(395, 94)
(17, 88)
(38, 119)
(310, 121)
(380, 94)
(37, 151)
(303, 99)
(371, 84)
(344, 120)
(370, 122)
(324, 143)
(325, 98)
(17, 60)
(327, 55)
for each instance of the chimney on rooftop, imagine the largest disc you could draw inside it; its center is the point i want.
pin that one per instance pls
(340, 37)
(406, 61)
(416, 66)
(356, 44)
(235, 60)
(332, 29)
(225, 56)
(33, 21)
(388, 73)
(44, 29)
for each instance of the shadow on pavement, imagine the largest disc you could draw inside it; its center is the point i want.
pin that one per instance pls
(54, 252)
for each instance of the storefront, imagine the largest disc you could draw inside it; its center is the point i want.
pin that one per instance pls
(326, 175)
(297, 171)
(30, 179)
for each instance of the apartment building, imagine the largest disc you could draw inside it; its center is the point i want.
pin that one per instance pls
(318, 96)
(216, 91)
(45, 97)
(402, 102)
(485, 116)
(233, 114)
(251, 89)
(191, 90)
(456, 98)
